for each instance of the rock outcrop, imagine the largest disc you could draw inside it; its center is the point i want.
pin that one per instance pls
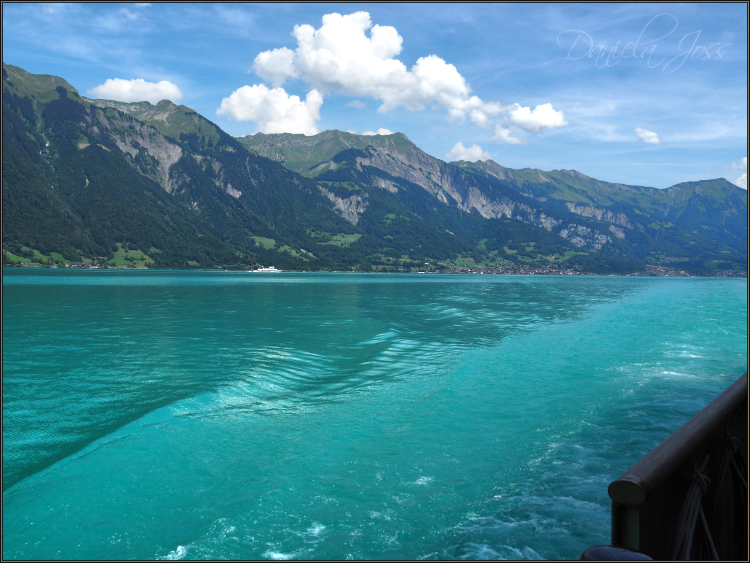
(350, 208)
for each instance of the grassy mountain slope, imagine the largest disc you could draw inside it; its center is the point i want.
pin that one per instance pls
(712, 209)
(168, 118)
(301, 153)
(566, 185)
(35, 86)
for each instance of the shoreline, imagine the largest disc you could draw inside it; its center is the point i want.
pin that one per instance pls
(457, 271)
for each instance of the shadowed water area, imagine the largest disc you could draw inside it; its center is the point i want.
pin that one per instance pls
(234, 415)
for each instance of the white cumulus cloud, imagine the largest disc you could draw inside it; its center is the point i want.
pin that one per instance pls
(469, 154)
(340, 56)
(537, 120)
(504, 134)
(647, 136)
(381, 131)
(742, 164)
(741, 182)
(275, 66)
(136, 90)
(273, 110)
(350, 55)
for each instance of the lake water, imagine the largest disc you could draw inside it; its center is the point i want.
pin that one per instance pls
(272, 416)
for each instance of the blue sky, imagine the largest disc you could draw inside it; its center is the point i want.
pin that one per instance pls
(642, 94)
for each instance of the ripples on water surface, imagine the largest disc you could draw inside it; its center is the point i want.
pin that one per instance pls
(233, 415)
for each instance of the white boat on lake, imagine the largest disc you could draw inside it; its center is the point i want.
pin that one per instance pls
(271, 269)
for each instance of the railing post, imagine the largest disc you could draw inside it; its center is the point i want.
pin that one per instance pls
(631, 527)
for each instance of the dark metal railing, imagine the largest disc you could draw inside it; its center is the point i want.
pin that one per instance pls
(688, 498)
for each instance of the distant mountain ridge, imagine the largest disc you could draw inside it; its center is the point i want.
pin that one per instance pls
(716, 209)
(716, 205)
(91, 179)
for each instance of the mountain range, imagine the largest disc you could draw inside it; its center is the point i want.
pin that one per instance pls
(100, 181)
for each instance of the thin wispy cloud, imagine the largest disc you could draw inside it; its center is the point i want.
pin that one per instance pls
(236, 20)
(504, 134)
(128, 15)
(647, 136)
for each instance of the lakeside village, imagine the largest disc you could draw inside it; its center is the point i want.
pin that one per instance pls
(651, 270)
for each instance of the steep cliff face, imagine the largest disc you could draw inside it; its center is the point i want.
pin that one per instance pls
(600, 214)
(582, 236)
(617, 231)
(384, 184)
(150, 135)
(448, 184)
(350, 208)
(419, 168)
(147, 149)
(451, 186)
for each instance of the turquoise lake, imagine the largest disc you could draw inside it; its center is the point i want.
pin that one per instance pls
(215, 415)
